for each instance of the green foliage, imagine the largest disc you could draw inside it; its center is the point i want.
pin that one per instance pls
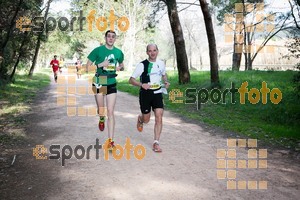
(77, 46)
(23, 89)
(228, 7)
(296, 80)
(14, 43)
(224, 7)
(15, 99)
(294, 52)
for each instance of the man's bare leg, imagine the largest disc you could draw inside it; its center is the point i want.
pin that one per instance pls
(100, 104)
(55, 76)
(145, 118)
(110, 102)
(158, 112)
(142, 118)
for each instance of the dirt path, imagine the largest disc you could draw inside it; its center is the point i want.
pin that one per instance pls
(187, 168)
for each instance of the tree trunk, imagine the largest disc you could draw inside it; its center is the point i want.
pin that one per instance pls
(10, 29)
(249, 50)
(249, 63)
(174, 61)
(246, 61)
(19, 56)
(236, 61)
(182, 61)
(236, 56)
(15, 68)
(38, 44)
(214, 65)
(245, 53)
(191, 58)
(245, 49)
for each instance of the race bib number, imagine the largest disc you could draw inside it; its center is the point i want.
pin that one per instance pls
(110, 68)
(154, 86)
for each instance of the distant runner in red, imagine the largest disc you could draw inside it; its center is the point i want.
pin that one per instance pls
(55, 66)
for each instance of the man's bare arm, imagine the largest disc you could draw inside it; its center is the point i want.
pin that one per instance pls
(134, 82)
(120, 67)
(104, 64)
(165, 78)
(89, 63)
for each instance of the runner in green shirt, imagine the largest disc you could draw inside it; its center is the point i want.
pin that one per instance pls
(108, 60)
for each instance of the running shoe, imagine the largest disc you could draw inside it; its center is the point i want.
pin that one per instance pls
(156, 147)
(139, 125)
(101, 123)
(110, 145)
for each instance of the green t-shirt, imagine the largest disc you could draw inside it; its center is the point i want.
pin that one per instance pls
(114, 56)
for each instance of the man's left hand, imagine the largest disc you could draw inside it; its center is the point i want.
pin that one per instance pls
(167, 84)
(120, 68)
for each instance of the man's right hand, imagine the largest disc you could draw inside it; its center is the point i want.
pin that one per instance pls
(104, 64)
(146, 86)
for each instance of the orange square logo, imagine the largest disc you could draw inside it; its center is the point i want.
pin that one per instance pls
(263, 185)
(231, 164)
(231, 143)
(221, 164)
(242, 185)
(71, 80)
(82, 111)
(242, 142)
(231, 185)
(221, 174)
(221, 153)
(92, 111)
(71, 111)
(252, 185)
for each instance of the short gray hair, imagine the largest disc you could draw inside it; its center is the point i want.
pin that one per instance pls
(152, 44)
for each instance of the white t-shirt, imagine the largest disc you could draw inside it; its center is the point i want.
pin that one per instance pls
(157, 71)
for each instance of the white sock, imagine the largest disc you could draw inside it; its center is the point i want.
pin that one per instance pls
(156, 141)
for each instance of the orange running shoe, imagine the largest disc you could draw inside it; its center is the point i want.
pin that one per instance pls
(110, 145)
(139, 125)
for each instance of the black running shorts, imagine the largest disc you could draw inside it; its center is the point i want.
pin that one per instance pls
(150, 100)
(105, 90)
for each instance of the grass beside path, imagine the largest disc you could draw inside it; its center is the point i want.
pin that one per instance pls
(15, 99)
(275, 124)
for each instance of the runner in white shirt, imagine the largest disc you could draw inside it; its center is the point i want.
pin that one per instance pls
(151, 73)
